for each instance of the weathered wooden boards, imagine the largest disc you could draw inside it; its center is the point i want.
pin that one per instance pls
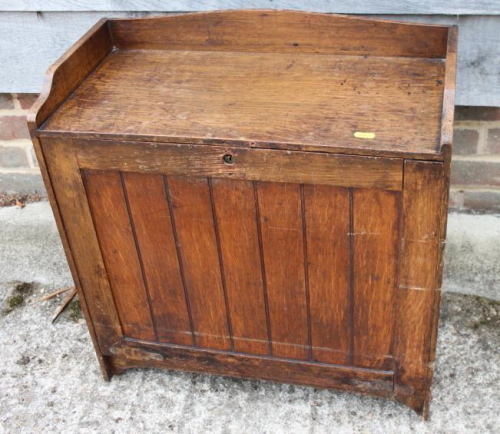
(315, 102)
(419, 282)
(249, 164)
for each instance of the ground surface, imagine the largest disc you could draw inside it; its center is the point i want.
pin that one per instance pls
(50, 381)
(19, 200)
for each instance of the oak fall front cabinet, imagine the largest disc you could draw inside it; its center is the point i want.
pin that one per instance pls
(258, 194)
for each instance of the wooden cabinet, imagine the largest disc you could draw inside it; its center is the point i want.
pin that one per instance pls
(259, 194)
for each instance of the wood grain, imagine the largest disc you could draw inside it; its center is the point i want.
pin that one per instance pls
(277, 98)
(283, 249)
(156, 244)
(239, 243)
(69, 193)
(418, 295)
(116, 239)
(327, 228)
(280, 31)
(375, 252)
(65, 75)
(194, 223)
(249, 164)
(136, 354)
(103, 361)
(76, 221)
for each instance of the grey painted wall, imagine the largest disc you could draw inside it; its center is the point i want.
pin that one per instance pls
(404, 7)
(33, 34)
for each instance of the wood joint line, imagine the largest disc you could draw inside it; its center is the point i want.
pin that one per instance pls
(263, 267)
(179, 257)
(221, 262)
(139, 255)
(83, 175)
(351, 276)
(306, 270)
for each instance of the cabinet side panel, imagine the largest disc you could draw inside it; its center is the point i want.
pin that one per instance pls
(114, 231)
(327, 228)
(193, 221)
(281, 224)
(236, 217)
(375, 240)
(418, 292)
(69, 71)
(75, 215)
(151, 219)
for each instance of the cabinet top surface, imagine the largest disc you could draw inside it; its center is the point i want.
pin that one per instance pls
(266, 94)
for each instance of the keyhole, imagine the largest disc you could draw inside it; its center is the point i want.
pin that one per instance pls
(228, 159)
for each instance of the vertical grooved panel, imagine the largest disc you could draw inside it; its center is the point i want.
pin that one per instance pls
(351, 276)
(283, 250)
(193, 218)
(153, 227)
(116, 238)
(306, 270)
(327, 228)
(234, 206)
(375, 238)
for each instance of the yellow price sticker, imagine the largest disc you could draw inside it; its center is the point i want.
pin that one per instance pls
(363, 135)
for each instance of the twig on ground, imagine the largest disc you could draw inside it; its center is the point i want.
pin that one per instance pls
(64, 303)
(53, 294)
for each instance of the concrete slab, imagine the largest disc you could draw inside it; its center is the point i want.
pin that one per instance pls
(22, 183)
(50, 383)
(472, 258)
(30, 247)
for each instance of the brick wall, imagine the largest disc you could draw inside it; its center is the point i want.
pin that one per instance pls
(19, 172)
(475, 170)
